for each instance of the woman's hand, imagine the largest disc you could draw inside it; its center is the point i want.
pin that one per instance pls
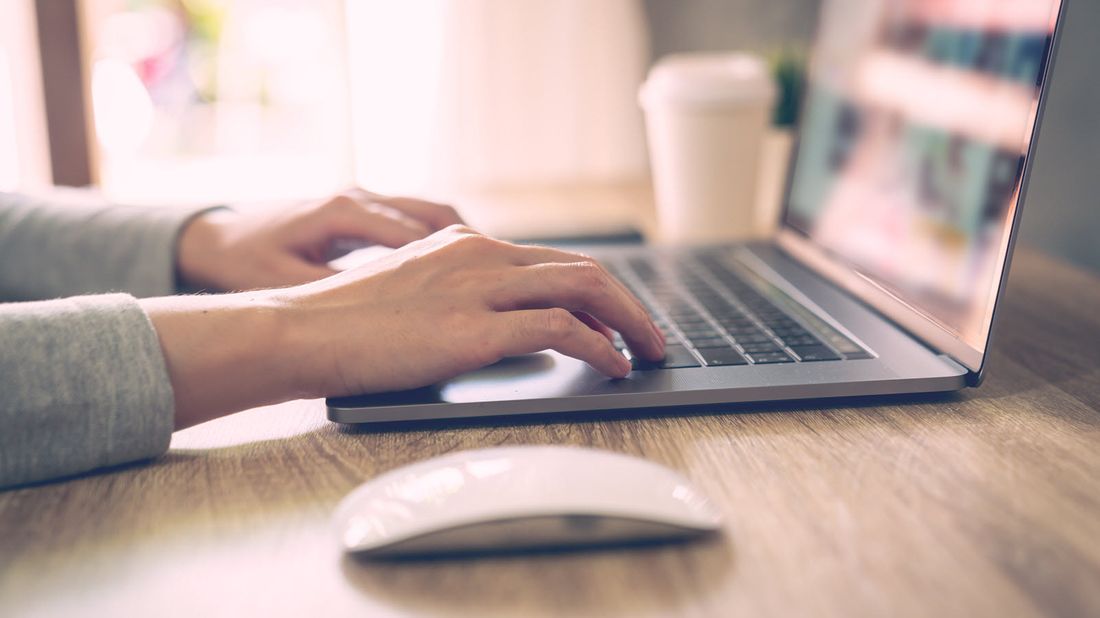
(225, 250)
(457, 301)
(436, 308)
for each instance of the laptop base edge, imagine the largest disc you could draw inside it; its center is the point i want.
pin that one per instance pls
(347, 411)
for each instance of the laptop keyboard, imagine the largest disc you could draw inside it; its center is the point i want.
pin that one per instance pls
(712, 316)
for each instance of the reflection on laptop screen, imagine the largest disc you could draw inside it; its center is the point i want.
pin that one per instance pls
(918, 117)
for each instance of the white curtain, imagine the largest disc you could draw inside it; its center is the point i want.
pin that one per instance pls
(454, 95)
(24, 154)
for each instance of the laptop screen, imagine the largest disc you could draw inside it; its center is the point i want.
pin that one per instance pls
(918, 117)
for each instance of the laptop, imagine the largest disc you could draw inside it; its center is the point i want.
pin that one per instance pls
(917, 135)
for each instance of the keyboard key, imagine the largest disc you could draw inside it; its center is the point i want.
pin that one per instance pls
(770, 358)
(813, 353)
(718, 357)
(698, 330)
(692, 318)
(678, 289)
(676, 357)
(760, 347)
(730, 316)
(756, 338)
(716, 303)
(784, 322)
(803, 340)
(709, 342)
(842, 343)
(681, 310)
(789, 331)
(741, 319)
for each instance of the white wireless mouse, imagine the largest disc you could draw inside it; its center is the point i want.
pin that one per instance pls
(526, 497)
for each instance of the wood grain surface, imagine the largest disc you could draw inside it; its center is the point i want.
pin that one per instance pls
(982, 503)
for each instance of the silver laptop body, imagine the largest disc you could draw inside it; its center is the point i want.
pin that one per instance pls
(903, 202)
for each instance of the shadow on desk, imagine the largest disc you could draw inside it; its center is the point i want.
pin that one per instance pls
(564, 581)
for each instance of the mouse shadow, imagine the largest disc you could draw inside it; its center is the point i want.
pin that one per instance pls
(612, 580)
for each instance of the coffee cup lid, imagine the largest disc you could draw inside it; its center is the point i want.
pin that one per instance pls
(708, 81)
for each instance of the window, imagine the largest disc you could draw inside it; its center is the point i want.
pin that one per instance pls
(218, 99)
(24, 157)
(9, 155)
(266, 99)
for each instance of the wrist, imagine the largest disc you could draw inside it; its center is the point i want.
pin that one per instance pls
(307, 342)
(225, 353)
(201, 243)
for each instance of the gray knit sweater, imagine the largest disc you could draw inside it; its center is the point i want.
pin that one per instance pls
(83, 382)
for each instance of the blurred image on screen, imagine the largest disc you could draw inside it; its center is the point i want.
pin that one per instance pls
(918, 119)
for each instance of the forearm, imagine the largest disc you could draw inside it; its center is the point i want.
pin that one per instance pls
(77, 245)
(227, 352)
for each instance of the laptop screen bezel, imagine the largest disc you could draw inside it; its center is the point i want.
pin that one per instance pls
(919, 324)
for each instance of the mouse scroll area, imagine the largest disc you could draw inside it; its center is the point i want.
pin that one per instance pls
(531, 534)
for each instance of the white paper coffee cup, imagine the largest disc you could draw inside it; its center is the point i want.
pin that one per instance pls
(707, 116)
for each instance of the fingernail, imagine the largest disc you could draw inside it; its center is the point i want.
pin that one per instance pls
(624, 364)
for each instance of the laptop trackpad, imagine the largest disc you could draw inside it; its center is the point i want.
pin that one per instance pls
(531, 376)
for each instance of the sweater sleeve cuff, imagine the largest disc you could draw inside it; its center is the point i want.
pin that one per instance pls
(159, 276)
(69, 246)
(84, 384)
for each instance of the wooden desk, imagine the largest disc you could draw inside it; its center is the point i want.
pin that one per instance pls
(985, 503)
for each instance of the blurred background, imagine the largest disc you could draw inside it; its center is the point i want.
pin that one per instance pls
(160, 101)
